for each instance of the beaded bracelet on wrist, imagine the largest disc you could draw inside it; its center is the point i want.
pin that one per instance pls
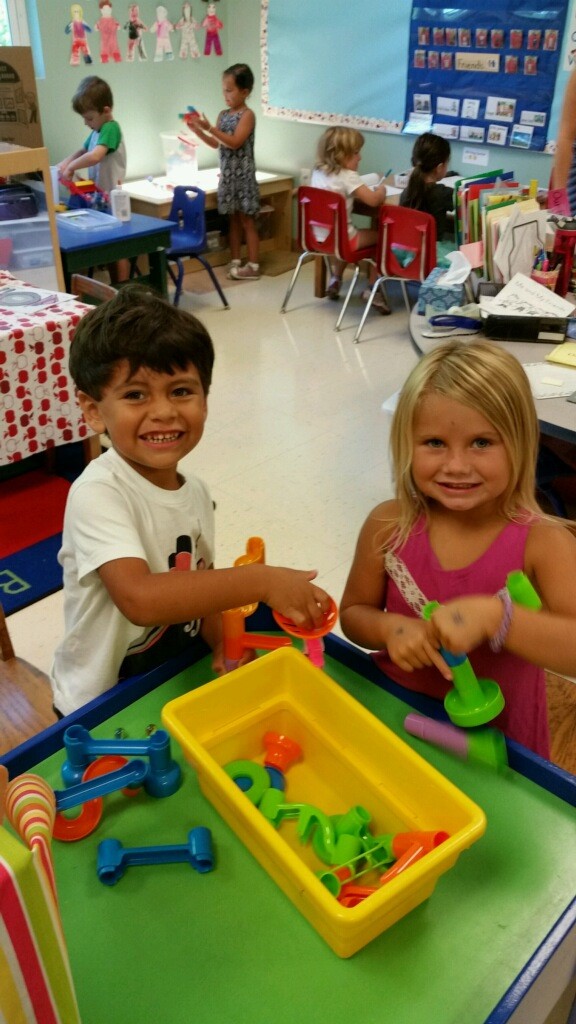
(499, 639)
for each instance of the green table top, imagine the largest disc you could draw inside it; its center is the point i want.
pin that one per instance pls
(170, 945)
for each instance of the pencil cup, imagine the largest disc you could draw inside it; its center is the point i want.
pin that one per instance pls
(548, 278)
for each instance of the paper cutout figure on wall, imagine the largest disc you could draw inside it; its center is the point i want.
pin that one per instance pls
(187, 26)
(212, 24)
(108, 27)
(135, 28)
(163, 27)
(78, 28)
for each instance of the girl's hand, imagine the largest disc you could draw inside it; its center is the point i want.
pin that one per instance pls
(467, 622)
(201, 122)
(290, 592)
(412, 645)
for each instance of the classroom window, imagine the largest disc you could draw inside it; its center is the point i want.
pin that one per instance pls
(13, 23)
(19, 26)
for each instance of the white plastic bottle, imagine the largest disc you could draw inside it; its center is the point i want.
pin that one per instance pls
(120, 203)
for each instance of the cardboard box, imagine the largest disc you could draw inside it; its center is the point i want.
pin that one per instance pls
(19, 108)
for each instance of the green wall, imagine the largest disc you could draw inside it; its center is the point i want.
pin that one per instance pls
(149, 96)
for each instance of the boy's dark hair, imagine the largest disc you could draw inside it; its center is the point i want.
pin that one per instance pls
(137, 325)
(92, 94)
(242, 75)
(429, 151)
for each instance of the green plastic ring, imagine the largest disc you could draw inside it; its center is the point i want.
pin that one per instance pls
(258, 776)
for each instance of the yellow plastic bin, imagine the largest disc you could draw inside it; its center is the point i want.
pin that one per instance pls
(349, 758)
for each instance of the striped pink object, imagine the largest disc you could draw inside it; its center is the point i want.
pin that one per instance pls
(31, 810)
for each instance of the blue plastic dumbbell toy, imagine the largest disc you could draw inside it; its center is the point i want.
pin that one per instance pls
(132, 774)
(114, 859)
(164, 774)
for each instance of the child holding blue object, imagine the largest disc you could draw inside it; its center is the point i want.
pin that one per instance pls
(430, 157)
(238, 195)
(136, 531)
(464, 443)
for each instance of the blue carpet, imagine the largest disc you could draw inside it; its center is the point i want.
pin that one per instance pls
(28, 575)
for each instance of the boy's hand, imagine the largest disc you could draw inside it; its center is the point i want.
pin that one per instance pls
(465, 623)
(412, 645)
(290, 592)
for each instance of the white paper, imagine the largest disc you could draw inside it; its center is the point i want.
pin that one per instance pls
(524, 297)
(478, 157)
(521, 234)
(550, 381)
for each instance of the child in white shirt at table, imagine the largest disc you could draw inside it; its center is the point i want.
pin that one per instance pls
(336, 169)
(136, 531)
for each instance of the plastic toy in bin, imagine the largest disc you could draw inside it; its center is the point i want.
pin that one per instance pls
(349, 757)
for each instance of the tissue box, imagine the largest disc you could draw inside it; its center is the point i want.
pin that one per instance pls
(437, 296)
(35, 980)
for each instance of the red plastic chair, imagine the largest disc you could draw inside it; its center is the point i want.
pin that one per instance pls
(323, 231)
(406, 251)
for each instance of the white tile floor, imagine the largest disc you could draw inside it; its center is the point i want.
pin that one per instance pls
(295, 447)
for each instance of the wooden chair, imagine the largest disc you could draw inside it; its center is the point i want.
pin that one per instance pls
(93, 293)
(25, 696)
(406, 251)
(323, 231)
(86, 289)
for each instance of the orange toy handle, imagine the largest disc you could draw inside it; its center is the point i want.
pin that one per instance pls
(255, 552)
(236, 640)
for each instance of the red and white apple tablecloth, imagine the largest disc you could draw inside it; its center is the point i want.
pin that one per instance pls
(38, 409)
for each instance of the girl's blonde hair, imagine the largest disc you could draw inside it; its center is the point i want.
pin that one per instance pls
(489, 380)
(336, 146)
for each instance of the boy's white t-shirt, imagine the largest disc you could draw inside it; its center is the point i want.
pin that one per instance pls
(113, 512)
(346, 182)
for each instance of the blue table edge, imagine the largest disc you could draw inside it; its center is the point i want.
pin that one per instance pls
(545, 774)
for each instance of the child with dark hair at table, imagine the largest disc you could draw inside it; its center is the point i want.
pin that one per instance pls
(464, 442)
(424, 191)
(138, 539)
(103, 153)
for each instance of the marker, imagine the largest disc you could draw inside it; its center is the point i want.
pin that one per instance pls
(486, 745)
